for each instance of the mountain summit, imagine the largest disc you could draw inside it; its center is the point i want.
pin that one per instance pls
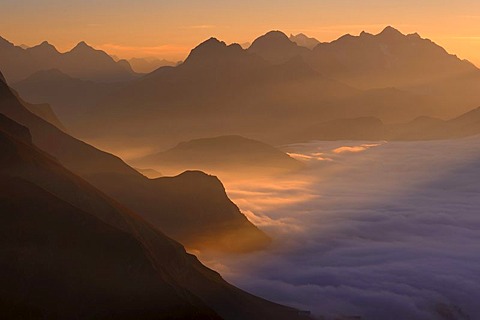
(213, 50)
(276, 47)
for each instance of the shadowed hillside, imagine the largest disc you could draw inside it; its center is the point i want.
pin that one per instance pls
(200, 203)
(97, 259)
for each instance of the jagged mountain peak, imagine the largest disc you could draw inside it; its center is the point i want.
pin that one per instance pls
(390, 32)
(45, 46)
(82, 46)
(213, 49)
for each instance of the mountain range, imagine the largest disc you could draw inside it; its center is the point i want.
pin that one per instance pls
(224, 89)
(371, 128)
(83, 62)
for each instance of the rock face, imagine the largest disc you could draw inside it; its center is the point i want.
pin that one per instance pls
(69, 251)
(192, 212)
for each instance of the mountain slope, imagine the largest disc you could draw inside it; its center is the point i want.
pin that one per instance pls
(70, 97)
(204, 201)
(97, 259)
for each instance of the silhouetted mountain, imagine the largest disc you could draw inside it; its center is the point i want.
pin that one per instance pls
(386, 59)
(427, 128)
(44, 53)
(229, 154)
(45, 112)
(304, 41)
(369, 128)
(97, 259)
(147, 65)
(82, 62)
(223, 89)
(87, 63)
(275, 47)
(172, 207)
(71, 98)
(217, 81)
(150, 173)
(365, 128)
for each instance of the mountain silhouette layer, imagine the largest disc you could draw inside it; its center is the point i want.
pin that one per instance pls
(224, 89)
(83, 62)
(229, 154)
(304, 41)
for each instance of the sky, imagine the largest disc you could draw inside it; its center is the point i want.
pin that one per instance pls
(169, 29)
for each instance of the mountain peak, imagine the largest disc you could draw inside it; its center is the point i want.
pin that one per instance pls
(390, 32)
(82, 45)
(44, 46)
(213, 49)
(212, 43)
(275, 47)
(274, 38)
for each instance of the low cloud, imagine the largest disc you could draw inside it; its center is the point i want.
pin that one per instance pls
(393, 233)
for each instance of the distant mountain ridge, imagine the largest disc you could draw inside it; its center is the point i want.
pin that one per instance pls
(83, 62)
(147, 65)
(224, 154)
(275, 83)
(304, 41)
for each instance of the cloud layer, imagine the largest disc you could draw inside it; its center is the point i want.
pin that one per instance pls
(389, 232)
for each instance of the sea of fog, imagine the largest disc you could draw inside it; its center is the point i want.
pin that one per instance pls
(385, 230)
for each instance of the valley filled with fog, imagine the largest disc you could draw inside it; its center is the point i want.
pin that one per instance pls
(384, 230)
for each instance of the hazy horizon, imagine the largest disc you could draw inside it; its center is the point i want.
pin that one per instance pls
(170, 30)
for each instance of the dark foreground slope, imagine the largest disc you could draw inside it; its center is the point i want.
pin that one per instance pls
(70, 252)
(197, 207)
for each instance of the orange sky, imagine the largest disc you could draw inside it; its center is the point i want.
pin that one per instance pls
(169, 29)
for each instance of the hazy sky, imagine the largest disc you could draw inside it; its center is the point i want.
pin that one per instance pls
(170, 29)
